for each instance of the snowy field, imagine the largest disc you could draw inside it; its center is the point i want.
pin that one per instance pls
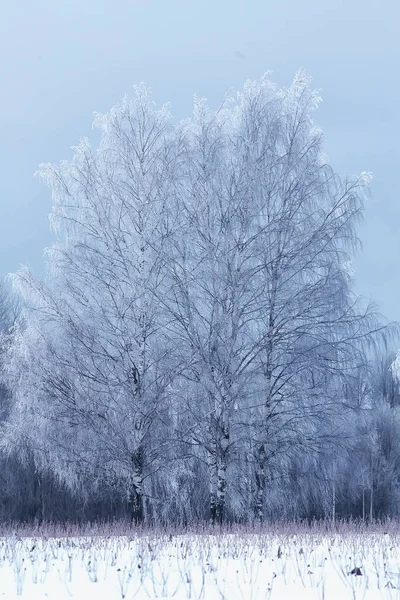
(242, 565)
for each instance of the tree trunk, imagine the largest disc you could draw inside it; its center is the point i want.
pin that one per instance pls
(135, 498)
(363, 505)
(371, 504)
(218, 468)
(42, 501)
(268, 367)
(217, 500)
(260, 483)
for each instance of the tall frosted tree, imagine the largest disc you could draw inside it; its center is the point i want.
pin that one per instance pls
(262, 299)
(309, 323)
(93, 363)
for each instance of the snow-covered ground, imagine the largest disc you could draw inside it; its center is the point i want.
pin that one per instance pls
(226, 566)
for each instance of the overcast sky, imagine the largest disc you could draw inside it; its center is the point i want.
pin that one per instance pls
(62, 60)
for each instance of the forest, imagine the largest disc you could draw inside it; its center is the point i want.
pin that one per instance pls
(195, 350)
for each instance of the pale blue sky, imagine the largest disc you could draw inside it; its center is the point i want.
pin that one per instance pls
(62, 60)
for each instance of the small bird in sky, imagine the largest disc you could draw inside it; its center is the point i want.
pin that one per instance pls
(240, 55)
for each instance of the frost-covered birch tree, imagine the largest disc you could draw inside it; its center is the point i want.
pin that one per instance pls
(262, 300)
(309, 324)
(92, 367)
(212, 294)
